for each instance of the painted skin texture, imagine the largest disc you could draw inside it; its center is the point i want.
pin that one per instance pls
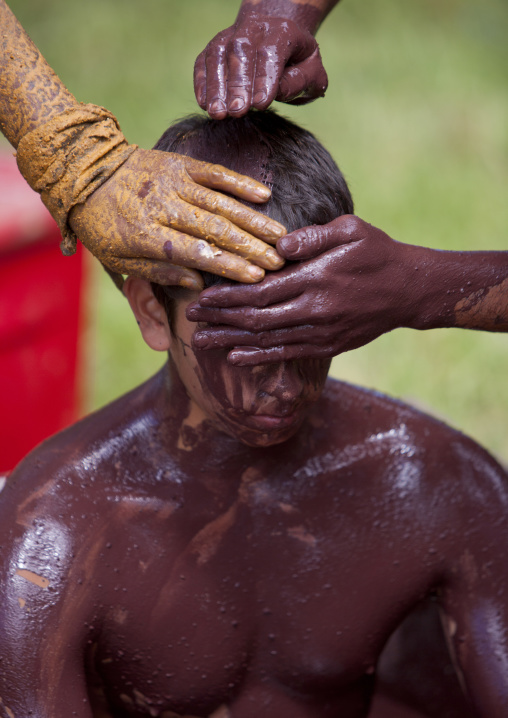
(268, 54)
(187, 218)
(352, 283)
(155, 561)
(377, 284)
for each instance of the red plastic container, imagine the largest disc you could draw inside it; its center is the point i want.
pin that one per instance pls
(41, 317)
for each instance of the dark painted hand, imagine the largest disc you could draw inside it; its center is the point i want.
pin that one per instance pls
(353, 285)
(257, 60)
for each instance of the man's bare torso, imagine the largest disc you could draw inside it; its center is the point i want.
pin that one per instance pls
(198, 577)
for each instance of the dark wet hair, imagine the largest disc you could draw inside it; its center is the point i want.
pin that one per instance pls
(307, 186)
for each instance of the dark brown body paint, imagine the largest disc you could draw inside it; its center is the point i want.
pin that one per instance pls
(352, 283)
(268, 54)
(180, 571)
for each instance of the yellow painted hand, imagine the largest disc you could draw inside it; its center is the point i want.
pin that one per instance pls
(159, 217)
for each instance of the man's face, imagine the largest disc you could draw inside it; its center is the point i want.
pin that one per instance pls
(260, 405)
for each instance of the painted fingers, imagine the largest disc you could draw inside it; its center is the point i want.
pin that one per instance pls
(356, 288)
(220, 178)
(248, 347)
(312, 241)
(154, 210)
(153, 270)
(304, 81)
(254, 62)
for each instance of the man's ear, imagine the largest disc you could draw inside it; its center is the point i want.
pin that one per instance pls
(150, 315)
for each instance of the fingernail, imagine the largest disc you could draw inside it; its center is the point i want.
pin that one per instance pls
(276, 230)
(288, 245)
(237, 104)
(192, 284)
(202, 100)
(264, 192)
(217, 107)
(259, 97)
(236, 357)
(275, 259)
(255, 273)
(200, 340)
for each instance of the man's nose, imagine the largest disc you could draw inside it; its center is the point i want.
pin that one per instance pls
(281, 381)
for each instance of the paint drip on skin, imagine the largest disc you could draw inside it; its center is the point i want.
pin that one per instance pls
(267, 403)
(485, 309)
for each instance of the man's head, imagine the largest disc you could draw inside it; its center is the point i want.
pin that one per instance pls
(266, 404)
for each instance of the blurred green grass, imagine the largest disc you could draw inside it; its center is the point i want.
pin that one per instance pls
(416, 115)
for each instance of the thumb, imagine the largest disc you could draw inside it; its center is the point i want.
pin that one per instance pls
(309, 242)
(304, 81)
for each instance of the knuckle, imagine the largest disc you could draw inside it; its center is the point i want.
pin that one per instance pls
(219, 42)
(265, 340)
(262, 298)
(216, 173)
(317, 313)
(315, 237)
(218, 227)
(266, 292)
(351, 225)
(252, 321)
(204, 253)
(200, 196)
(239, 44)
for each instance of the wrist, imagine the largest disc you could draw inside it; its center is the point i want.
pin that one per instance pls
(306, 15)
(68, 157)
(429, 301)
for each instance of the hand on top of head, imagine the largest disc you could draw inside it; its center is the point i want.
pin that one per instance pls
(257, 60)
(162, 206)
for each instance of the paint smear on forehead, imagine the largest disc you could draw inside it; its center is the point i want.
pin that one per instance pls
(243, 388)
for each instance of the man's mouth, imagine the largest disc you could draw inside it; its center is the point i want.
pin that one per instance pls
(272, 421)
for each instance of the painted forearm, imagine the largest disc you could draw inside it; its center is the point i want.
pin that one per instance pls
(30, 92)
(65, 150)
(308, 14)
(462, 289)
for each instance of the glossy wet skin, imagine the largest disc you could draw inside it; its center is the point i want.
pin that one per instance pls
(268, 54)
(168, 556)
(260, 406)
(195, 575)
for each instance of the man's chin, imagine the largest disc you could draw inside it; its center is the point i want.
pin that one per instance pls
(264, 430)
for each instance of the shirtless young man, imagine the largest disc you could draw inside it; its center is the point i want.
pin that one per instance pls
(242, 541)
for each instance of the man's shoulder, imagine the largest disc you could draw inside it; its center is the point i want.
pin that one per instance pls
(83, 454)
(410, 442)
(362, 410)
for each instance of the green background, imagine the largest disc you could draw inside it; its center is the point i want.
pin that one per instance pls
(416, 115)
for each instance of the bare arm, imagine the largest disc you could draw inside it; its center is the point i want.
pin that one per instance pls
(476, 585)
(268, 54)
(113, 193)
(30, 92)
(352, 284)
(42, 638)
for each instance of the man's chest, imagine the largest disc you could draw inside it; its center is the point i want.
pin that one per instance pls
(255, 594)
